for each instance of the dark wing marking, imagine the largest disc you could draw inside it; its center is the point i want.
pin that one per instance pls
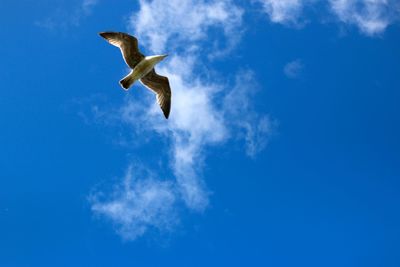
(127, 44)
(160, 85)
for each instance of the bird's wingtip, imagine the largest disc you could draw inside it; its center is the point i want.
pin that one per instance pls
(104, 34)
(166, 114)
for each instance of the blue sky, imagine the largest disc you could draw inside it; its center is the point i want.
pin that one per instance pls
(282, 147)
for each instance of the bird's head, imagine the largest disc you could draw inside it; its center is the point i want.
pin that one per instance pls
(163, 56)
(159, 58)
(156, 58)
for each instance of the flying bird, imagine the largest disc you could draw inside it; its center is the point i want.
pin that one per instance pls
(142, 68)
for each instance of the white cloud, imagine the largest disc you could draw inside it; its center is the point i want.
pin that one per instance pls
(194, 123)
(203, 115)
(197, 122)
(293, 69)
(63, 18)
(204, 112)
(283, 11)
(372, 17)
(166, 25)
(138, 205)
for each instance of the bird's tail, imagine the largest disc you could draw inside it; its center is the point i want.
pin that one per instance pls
(127, 81)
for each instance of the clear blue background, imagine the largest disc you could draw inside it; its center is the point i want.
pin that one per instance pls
(325, 192)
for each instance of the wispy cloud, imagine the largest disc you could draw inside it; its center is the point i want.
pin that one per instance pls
(61, 18)
(166, 25)
(241, 116)
(371, 17)
(283, 11)
(137, 205)
(194, 123)
(88, 5)
(205, 111)
(293, 69)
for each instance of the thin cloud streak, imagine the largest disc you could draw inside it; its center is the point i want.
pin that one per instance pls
(64, 19)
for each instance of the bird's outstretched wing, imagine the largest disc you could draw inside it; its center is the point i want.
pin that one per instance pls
(160, 85)
(127, 44)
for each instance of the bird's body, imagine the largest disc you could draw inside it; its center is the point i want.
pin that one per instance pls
(142, 68)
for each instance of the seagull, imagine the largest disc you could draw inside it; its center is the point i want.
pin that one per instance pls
(142, 68)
